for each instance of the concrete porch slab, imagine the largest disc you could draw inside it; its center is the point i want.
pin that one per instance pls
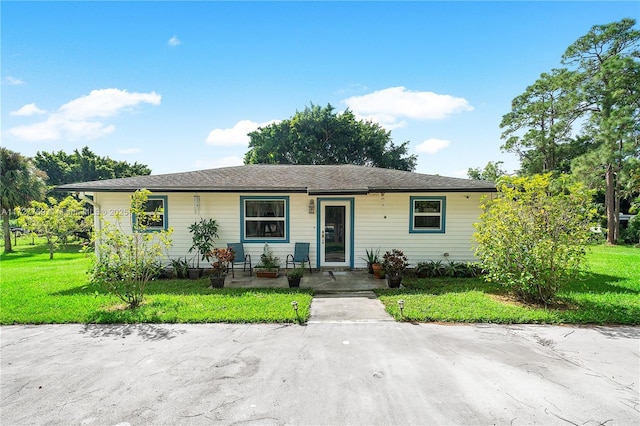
(320, 281)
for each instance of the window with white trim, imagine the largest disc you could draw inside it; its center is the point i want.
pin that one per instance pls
(265, 218)
(428, 214)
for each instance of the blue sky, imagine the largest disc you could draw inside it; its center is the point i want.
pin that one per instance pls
(177, 85)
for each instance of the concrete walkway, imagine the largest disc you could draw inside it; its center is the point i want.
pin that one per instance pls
(348, 307)
(339, 296)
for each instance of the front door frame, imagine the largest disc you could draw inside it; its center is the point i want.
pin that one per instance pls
(321, 203)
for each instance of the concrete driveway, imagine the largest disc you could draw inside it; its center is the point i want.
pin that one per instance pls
(381, 373)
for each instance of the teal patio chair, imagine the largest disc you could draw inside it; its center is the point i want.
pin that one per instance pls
(300, 255)
(240, 257)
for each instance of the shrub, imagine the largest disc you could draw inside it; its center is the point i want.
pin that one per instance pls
(631, 234)
(531, 237)
(125, 262)
(434, 269)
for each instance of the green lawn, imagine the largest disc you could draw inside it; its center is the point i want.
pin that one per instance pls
(37, 290)
(609, 293)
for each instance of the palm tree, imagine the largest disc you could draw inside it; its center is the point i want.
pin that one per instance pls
(20, 182)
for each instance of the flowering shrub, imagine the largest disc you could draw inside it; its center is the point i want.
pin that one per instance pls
(125, 262)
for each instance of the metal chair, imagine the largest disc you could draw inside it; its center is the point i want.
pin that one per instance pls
(300, 255)
(240, 257)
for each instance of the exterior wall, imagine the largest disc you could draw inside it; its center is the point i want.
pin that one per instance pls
(381, 221)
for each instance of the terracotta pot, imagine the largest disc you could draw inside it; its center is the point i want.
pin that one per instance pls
(264, 273)
(377, 270)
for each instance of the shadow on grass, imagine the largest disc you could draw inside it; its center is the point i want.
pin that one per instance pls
(36, 253)
(591, 283)
(184, 288)
(149, 332)
(599, 283)
(436, 286)
(603, 312)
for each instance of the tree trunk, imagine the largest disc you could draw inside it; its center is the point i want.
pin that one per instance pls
(610, 203)
(6, 232)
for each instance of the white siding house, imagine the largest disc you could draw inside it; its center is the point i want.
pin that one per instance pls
(340, 210)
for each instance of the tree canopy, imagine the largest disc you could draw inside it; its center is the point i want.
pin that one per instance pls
(491, 172)
(599, 90)
(84, 166)
(319, 135)
(20, 183)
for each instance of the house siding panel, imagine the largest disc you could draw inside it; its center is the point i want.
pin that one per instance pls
(381, 220)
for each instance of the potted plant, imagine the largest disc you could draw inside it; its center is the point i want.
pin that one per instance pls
(394, 263)
(269, 266)
(295, 275)
(203, 234)
(372, 258)
(220, 265)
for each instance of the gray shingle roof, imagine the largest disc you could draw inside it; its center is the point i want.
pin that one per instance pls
(315, 180)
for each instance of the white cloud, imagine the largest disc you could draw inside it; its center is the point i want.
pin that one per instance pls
(28, 110)
(129, 151)
(215, 163)
(238, 135)
(388, 106)
(14, 81)
(432, 146)
(174, 41)
(77, 119)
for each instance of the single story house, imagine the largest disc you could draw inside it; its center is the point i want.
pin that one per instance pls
(341, 210)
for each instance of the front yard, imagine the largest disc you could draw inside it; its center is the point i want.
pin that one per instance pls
(37, 290)
(608, 294)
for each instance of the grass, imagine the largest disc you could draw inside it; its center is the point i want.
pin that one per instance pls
(609, 293)
(36, 290)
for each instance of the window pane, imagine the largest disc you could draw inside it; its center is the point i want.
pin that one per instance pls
(427, 207)
(156, 221)
(264, 229)
(426, 222)
(153, 205)
(264, 208)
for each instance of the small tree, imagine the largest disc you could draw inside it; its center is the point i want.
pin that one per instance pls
(203, 234)
(531, 237)
(125, 262)
(55, 221)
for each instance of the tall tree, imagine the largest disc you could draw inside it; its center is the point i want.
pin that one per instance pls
(541, 120)
(491, 172)
(319, 135)
(83, 166)
(20, 183)
(606, 62)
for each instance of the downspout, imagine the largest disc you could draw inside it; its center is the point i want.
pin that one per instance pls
(96, 213)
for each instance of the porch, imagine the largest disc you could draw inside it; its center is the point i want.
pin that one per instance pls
(321, 281)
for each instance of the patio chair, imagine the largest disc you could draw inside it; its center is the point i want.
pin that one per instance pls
(240, 257)
(300, 255)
